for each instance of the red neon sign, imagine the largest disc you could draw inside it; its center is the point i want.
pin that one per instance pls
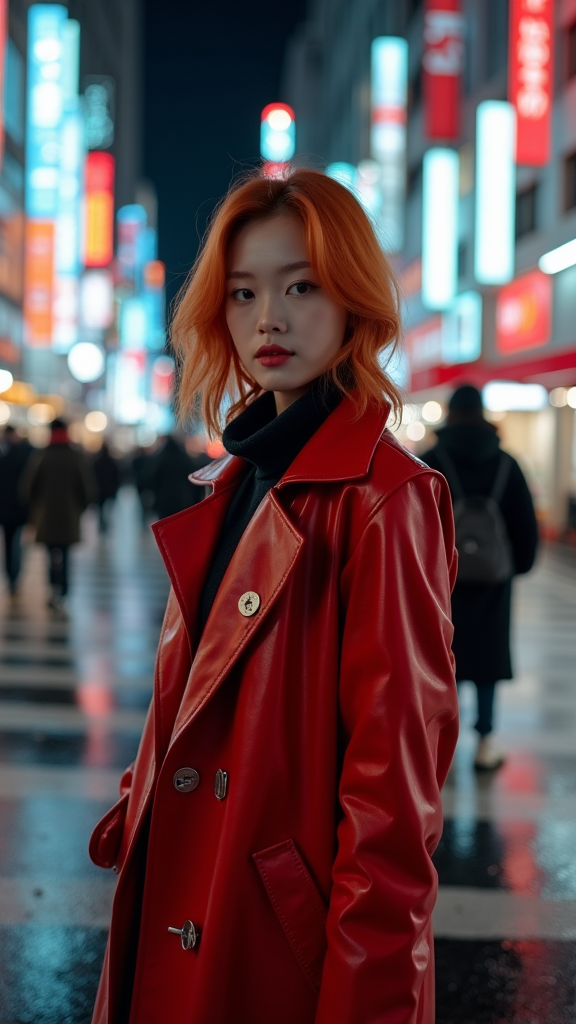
(530, 83)
(99, 243)
(442, 68)
(524, 313)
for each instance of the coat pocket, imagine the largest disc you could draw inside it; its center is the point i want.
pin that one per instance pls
(298, 905)
(106, 837)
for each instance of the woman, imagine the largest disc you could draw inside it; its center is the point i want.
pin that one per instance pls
(277, 827)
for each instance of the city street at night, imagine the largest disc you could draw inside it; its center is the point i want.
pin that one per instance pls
(288, 512)
(74, 694)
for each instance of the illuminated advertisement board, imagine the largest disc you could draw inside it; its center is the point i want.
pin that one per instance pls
(44, 108)
(495, 215)
(530, 77)
(524, 313)
(440, 227)
(131, 221)
(38, 282)
(70, 198)
(99, 94)
(127, 377)
(442, 68)
(99, 230)
(389, 91)
(44, 120)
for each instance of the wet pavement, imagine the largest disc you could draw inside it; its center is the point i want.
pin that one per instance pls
(73, 695)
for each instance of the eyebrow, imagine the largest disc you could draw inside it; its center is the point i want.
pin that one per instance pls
(300, 265)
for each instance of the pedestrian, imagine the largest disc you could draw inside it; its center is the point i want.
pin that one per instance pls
(274, 837)
(107, 474)
(58, 484)
(169, 469)
(13, 458)
(469, 454)
(140, 470)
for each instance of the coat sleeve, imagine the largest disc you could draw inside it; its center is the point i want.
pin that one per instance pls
(398, 708)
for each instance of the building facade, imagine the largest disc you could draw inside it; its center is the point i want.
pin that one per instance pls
(110, 65)
(528, 325)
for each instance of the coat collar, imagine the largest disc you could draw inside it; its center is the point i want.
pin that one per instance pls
(341, 449)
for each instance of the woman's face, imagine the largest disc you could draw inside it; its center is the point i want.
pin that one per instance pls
(285, 328)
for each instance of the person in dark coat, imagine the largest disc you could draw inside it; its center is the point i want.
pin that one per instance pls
(169, 470)
(58, 484)
(107, 473)
(14, 455)
(480, 611)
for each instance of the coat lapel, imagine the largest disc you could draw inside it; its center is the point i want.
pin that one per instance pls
(262, 563)
(187, 539)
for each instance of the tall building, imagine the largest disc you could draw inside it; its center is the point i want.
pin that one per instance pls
(110, 83)
(515, 324)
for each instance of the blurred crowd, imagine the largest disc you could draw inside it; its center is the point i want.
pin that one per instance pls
(48, 489)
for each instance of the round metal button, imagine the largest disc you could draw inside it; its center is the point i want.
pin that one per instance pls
(185, 780)
(249, 603)
(188, 933)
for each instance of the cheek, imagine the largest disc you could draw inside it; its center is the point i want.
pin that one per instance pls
(236, 320)
(328, 324)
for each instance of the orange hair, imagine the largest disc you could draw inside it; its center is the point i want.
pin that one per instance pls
(349, 264)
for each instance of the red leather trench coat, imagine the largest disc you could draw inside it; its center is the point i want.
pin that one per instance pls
(332, 709)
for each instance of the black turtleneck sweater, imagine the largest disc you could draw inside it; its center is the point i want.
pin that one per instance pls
(269, 443)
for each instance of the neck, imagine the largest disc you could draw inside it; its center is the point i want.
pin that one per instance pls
(284, 399)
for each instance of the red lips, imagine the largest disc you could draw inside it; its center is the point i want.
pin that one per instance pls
(273, 355)
(273, 350)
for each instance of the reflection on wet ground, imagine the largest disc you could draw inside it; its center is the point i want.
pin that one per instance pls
(73, 695)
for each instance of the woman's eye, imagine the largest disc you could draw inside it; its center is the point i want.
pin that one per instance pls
(242, 294)
(301, 288)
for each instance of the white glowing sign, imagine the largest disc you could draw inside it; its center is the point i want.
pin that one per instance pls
(45, 108)
(440, 228)
(495, 192)
(389, 63)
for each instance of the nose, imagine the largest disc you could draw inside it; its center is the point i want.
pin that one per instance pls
(270, 321)
(269, 326)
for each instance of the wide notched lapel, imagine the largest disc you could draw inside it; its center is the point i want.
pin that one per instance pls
(262, 563)
(187, 541)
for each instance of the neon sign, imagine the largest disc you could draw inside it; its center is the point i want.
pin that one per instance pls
(530, 81)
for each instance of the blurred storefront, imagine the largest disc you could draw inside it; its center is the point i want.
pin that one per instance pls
(473, 116)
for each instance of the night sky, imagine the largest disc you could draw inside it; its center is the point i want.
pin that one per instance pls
(209, 69)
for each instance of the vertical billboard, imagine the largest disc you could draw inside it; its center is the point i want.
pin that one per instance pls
(70, 198)
(389, 93)
(530, 81)
(131, 220)
(495, 214)
(441, 68)
(99, 228)
(44, 122)
(440, 200)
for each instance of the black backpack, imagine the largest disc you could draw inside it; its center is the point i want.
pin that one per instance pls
(482, 541)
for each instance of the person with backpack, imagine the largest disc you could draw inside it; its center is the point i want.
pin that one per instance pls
(496, 538)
